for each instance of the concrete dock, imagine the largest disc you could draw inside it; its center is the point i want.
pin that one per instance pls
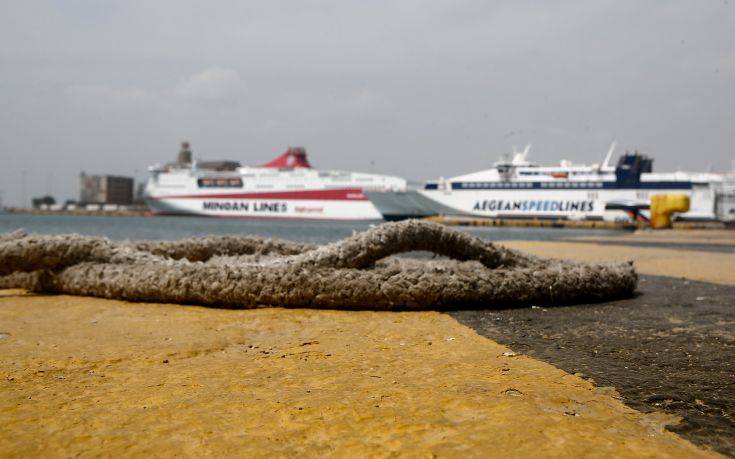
(85, 376)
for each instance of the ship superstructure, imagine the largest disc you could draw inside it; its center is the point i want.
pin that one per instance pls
(517, 188)
(725, 197)
(286, 187)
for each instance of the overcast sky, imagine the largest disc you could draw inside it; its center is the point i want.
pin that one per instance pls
(421, 88)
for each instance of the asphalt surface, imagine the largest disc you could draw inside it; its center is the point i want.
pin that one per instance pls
(671, 348)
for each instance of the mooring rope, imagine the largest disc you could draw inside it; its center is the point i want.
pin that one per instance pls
(354, 273)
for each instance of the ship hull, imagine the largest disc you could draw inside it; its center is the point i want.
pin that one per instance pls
(580, 204)
(401, 205)
(345, 204)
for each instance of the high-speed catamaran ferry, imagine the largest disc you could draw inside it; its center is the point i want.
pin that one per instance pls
(286, 187)
(517, 188)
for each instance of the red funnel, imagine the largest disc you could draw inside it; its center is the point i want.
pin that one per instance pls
(294, 157)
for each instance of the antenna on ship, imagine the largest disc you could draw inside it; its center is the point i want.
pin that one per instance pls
(526, 150)
(606, 163)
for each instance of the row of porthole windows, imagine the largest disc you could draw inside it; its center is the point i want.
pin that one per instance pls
(571, 185)
(496, 185)
(555, 172)
(485, 185)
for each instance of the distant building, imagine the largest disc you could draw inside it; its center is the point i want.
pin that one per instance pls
(105, 189)
(139, 198)
(43, 202)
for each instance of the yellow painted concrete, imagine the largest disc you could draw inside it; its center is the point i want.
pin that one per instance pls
(89, 377)
(696, 265)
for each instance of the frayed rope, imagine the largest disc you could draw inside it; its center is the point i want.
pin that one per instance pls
(354, 273)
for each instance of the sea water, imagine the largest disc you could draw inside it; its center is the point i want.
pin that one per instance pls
(318, 232)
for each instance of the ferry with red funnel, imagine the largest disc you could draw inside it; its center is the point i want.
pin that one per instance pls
(287, 187)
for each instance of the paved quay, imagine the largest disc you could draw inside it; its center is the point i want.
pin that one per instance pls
(719, 241)
(669, 349)
(672, 261)
(84, 376)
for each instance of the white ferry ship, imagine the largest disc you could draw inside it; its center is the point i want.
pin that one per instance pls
(286, 187)
(725, 198)
(518, 188)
